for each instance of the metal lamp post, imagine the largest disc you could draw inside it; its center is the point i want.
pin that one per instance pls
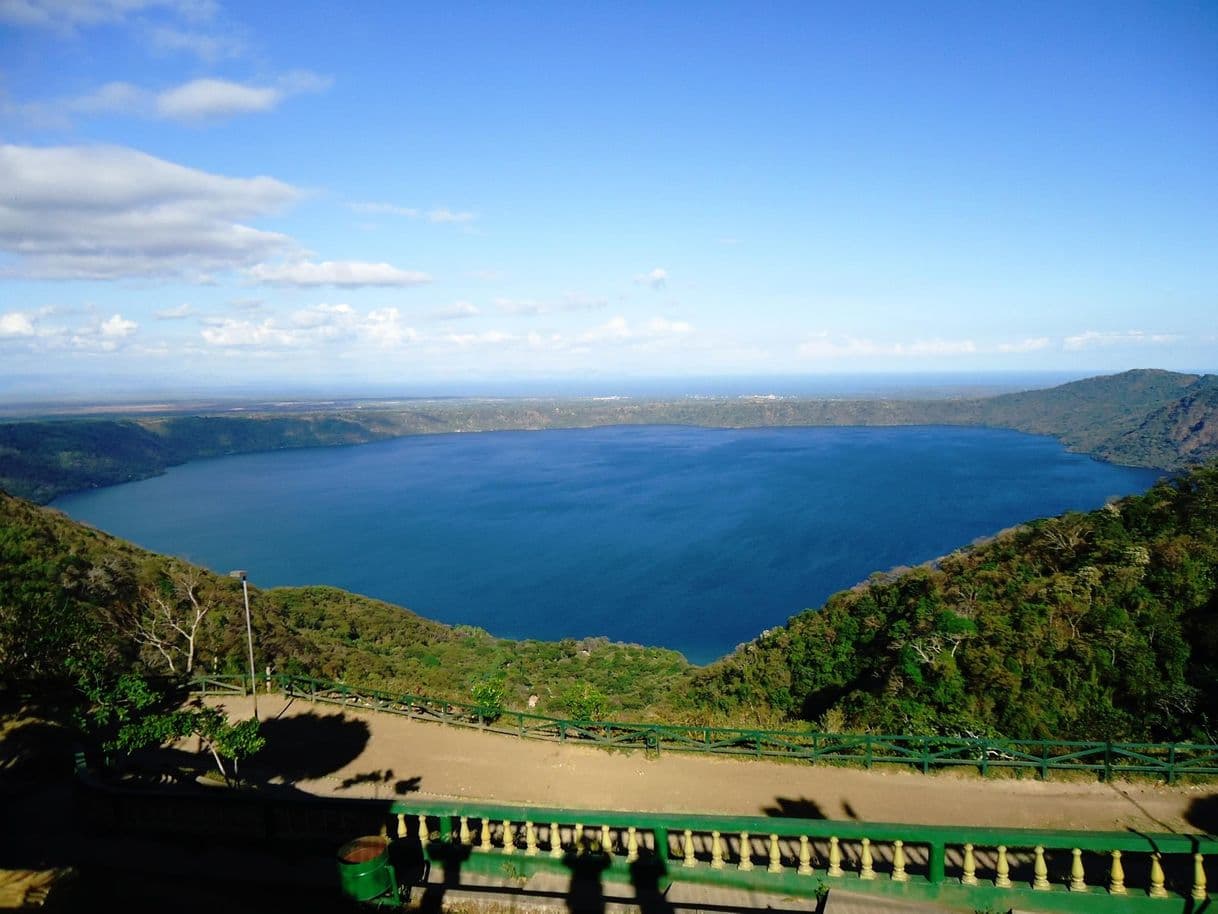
(249, 637)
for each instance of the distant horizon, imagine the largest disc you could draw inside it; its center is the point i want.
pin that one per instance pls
(877, 384)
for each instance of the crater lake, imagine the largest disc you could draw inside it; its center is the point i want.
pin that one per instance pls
(690, 538)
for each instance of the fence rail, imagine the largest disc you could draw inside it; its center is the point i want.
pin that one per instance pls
(1168, 761)
(958, 866)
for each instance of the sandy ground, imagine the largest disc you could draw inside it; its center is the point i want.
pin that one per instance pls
(325, 749)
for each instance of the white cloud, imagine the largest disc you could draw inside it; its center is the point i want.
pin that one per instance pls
(575, 301)
(203, 98)
(439, 215)
(117, 327)
(207, 46)
(177, 312)
(16, 323)
(345, 273)
(1029, 345)
(102, 212)
(106, 335)
(618, 330)
(385, 328)
(572, 301)
(1093, 339)
(230, 332)
(195, 101)
(387, 209)
(487, 337)
(823, 346)
(113, 96)
(657, 278)
(312, 328)
(67, 15)
(456, 311)
(39, 333)
(445, 215)
(519, 306)
(200, 99)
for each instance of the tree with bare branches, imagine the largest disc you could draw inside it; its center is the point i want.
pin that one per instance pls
(167, 616)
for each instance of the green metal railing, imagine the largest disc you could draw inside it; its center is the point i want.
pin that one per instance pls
(969, 868)
(960, 866)
(1168, 761)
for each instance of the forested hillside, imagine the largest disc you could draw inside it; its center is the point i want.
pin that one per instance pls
(72, 595)
(1097, 626)
(1141, 418)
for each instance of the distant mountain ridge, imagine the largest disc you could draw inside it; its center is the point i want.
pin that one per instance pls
(1143, 417)
(1131, 418)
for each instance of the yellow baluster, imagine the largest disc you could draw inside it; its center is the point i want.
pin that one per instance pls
(968, 876)
(577, 838)
(687, 849)
(1077, 877)
(1040, 872)
(555, 840)
(401, 825)
(606, 840)
(530, 840)
(835, 858)
(805, 857)
(424, 832)
(746, 852)
(1002, 878)
(716, 852)
(1157, 889)
(632, 845)
(898, 862)
(1116, 882)
(866, 870)
(486, 836)
(775, 857)
(1198, 893)
(509, 838)
(464, 834)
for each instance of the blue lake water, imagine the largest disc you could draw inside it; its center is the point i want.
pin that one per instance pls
(694, 539)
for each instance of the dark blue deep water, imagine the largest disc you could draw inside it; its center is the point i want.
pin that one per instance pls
(694, 539)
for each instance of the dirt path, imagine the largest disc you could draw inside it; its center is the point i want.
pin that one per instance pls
(325, 749)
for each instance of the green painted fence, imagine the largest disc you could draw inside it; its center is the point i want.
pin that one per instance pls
(1169, 761)
(964, 868)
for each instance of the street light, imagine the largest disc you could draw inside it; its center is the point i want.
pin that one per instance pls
(249, 636)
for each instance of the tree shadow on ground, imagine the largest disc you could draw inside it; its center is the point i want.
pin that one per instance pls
(379, 779)
(35, 750)
(789, 808)
(309, 746)
(1202, 813)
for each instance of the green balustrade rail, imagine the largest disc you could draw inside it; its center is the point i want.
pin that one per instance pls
(1168, 761)
(965, 868)
(970, 868)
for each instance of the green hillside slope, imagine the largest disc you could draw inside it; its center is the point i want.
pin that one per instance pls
(1100, 625)
(68, 592)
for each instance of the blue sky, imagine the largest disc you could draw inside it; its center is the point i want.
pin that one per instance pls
(200, 195)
